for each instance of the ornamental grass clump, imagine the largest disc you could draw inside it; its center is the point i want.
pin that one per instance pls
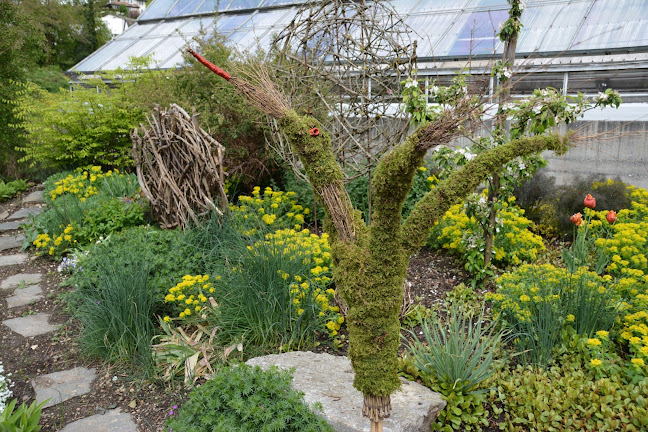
(459, 352)
(116, 314)
(537, 302)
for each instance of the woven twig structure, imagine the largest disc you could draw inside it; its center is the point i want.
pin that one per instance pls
(179, 167)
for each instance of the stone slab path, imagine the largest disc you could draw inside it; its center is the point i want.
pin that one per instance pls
(26, 212)
(25, 296)
(20, 279)
(10, 226)
(328, 379)
(17, 259)
(30, 325)
(35, 197)
(61, 386)
(24, 288)
(110, 421)
(11, 242)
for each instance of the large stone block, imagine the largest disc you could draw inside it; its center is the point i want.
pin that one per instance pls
(328, 379)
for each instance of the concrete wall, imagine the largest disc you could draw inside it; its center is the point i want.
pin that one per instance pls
(610, 148)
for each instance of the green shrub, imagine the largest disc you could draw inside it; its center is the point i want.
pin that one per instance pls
(22, 419)
(11, 189)
(116, 314)
(551, 206)
(246, 399)
(87, 126)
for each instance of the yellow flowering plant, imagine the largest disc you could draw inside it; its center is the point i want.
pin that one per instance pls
(514, 243)
(84, 206)
(268, 210)
(189, 297)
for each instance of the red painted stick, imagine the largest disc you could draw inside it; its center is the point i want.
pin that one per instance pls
(212, 67)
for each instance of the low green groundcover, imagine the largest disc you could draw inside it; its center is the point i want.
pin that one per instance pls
(244, 398)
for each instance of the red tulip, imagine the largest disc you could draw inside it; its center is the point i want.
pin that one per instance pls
(590, 202)
(611, 216)
(314, 132)
(577, 219)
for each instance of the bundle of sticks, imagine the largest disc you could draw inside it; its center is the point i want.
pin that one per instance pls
(179, 167)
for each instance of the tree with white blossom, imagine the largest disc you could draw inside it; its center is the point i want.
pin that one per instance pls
(534, 115)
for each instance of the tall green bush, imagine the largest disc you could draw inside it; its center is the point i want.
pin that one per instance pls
(87, 126)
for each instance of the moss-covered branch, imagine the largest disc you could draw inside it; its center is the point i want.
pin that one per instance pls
(313, 146)
(459, 184)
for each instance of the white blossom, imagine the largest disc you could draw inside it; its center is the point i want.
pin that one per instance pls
(601, 97)
(410, 83)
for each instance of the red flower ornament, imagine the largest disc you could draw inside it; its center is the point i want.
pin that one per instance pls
(589, 202)
(611, 217)
(314, 132)
(577, 219)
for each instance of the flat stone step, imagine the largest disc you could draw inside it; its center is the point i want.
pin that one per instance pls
(21, 279)
(9, 260)
(26, 212)
(34, 197)
(4, 215)
(10, 226)
(11, 242)
(328, 379)
(111, 421)
(30, 325)
(61, 386)
(25, 296)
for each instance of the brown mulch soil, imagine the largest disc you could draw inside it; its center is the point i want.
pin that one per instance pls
(432, 275)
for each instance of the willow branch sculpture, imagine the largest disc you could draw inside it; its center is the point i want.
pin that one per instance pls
(370, 262)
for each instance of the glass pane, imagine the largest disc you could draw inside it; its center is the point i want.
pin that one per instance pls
(227, 23)
(428, 30)
(138, 49)
(614, 24)
(550, 27)
(243, 4)
(270, 18)
(170, 47)
(195, 24)
(212, 6)
(93, 62)
(282, 2)
(184, 7)
(488, 3)
(166, 28)
(438, 5)
(157, 9)
(472, 34)
(137, 30)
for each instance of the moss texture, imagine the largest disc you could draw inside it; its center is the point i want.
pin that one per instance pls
(370, 268)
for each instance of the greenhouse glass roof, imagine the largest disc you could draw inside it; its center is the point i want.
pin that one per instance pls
(445, 29)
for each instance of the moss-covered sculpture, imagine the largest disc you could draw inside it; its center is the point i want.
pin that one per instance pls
(370, 263)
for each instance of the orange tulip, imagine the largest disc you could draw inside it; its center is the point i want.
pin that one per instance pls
(590, 202)
(314, 132)
(577, 219)
(611, 216)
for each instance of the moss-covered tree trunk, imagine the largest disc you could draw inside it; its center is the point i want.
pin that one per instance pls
(370, 263)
